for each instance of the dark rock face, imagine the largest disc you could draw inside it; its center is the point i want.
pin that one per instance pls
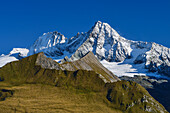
(140, 59)
(125, 96)
(161, 93)
(164, 69)
(106, 44)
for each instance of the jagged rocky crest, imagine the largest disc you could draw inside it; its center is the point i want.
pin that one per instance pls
(47, 63)
(122, 95)
(52, 44)
(106, 44)
(90, 62)
(82, 70)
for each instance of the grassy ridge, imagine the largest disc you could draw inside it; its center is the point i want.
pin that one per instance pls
(119, 96)
(90, 62)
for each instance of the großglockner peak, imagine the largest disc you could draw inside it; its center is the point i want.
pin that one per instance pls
(105, 43)
(119, 55)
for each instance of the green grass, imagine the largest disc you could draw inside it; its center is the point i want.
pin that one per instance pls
(40, 98)
(67, 91)
(91, 61)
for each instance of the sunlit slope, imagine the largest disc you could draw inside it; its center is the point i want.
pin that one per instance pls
(35, 89)
(90, 62)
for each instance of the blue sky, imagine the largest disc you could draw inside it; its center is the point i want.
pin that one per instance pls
(23, 21)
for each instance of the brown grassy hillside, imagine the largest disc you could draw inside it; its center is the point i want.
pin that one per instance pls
(35, 89)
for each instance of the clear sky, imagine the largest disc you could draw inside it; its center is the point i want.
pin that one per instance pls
(23, 21)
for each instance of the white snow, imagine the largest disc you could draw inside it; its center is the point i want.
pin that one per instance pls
(121, 69)
(48, 42)
(106, 43)
(6, 59)
(128, 68)
(22, 51)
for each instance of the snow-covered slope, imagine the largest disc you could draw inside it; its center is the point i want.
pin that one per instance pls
(22, 52)
(109, 47)
(105, 43)
(51, 43)
(15, 54)
(4, 59)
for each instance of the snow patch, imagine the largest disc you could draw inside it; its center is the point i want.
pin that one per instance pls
(22, 51)
(6, 59)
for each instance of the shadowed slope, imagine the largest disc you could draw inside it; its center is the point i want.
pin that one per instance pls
(118, 96)
(90, 62)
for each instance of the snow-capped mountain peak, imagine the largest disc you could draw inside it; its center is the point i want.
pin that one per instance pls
(109, 47)
(51, 43)
(103, 40)
(103, 28)
(21, 51)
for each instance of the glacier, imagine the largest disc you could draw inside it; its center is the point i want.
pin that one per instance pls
(114, 51)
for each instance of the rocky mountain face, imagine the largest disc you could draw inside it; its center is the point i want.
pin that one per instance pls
(106, 44)
(122, 95)
(46, 63)
(52, 44)
(81, 66)
(91, 63)
(157, 87)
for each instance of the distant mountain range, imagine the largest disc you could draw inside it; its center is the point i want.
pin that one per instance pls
(86, 76)
(121, 56)
(100, 65)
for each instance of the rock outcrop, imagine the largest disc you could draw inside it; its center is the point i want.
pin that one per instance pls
(47, 63)
(91, 63)
(124, 96)
(106, 44)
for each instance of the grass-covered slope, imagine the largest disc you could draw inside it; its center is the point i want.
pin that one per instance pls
(38, 98)
(90, 62)
(56, 90)
(26, 71)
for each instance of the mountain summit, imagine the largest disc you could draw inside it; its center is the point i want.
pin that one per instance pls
(107, 45)
(128, 57)
(85, 88)
(89, 62)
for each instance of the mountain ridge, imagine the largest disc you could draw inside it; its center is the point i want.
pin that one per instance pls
(107, 45)
(125, 96)
(90, 62)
